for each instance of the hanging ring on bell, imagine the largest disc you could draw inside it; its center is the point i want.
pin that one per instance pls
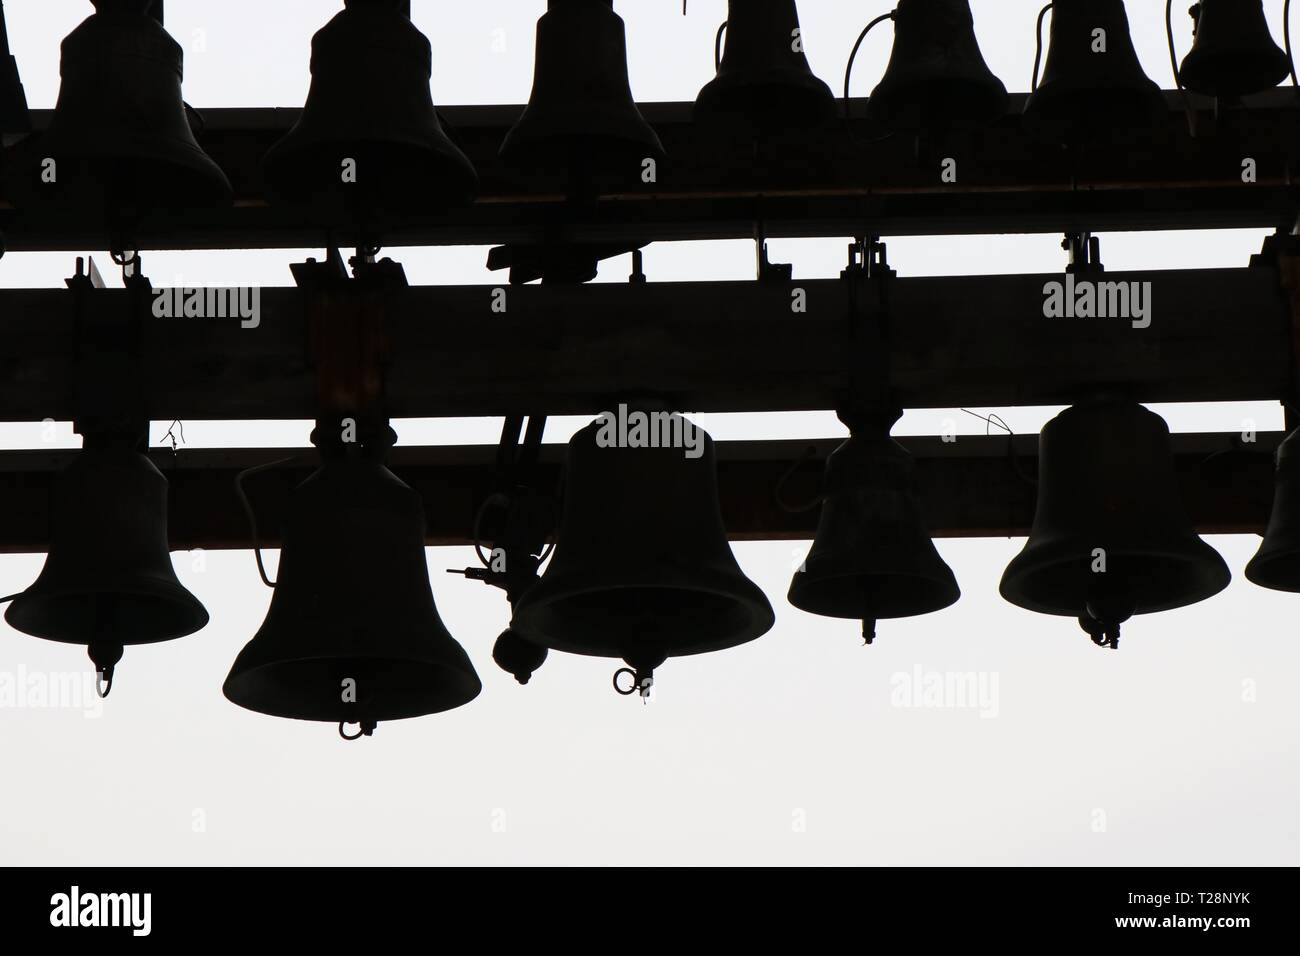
(361, 730)
(636, 681)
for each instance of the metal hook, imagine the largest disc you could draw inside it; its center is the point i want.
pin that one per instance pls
(365, 728)
(631, 673)
(104, 682)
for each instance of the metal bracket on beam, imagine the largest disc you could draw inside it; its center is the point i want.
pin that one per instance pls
(108, 397)
(1084, 251)
(349, 347)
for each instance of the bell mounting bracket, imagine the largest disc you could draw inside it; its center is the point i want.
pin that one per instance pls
(349, 348)
(768, 271)
(108, 396)
(1084, 251)
(869, 401)
(525, 518)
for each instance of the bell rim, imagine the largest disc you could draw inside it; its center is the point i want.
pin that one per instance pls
(749, 597)
(465, 687)
(1053, 123)
(178, 597)
(711, 103)
(1261, 570)
(1217, 575)
(1200, 65)
(884, 105)
(945, 594)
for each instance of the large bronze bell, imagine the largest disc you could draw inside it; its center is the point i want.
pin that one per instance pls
(1234, 54)
(642, 569)
(1093, 86)
(937, 78)
(369, 102)
(352, 634)
(1110, 537)
(1277, 563)
(581, 124)
(108, 580)
(119, 137)
(764, 85)
(872, 557)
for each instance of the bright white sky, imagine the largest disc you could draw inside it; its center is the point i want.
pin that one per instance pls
(787, 750)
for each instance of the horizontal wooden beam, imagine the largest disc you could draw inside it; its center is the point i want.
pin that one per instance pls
(971, 487)
(843, 181)
(1214, 335)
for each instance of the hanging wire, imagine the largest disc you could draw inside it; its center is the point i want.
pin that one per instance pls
(499, 499)
(248, 510)
(1173, 62)
(1286, 36)
(717, 47)
(848, 70)
(995, 419)
(779, 491)
(1038, 45)
(10, 597)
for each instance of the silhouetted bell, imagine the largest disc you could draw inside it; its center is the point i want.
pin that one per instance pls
(369, 103)
(1108, 499)
(1234, 53)
(1093, 85)
(764, 84)
(937, 78)
(1277, 563)
(642, 569)
(352, 634)
(517, 656)
(872, 557)
(581, 124)
(108, 580)
(119, 136)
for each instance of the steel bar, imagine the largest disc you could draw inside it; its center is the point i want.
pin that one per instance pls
(831, 183)
(1215, 335)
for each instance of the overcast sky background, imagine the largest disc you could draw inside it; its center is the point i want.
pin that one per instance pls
(786, 750)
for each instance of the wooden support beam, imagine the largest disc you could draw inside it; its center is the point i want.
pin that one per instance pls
(1215, 335)
(825, 184)
(970, 487)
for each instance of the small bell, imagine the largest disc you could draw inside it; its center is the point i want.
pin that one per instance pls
(581, 126)
(1234, 54)
(1093, 86)
(642, 569)
(764, 85)
(108, 580)
(872, 557)
(937, 78)
(352, 634)
(119, 139)
(1110, 538)
(1276, 564)
(369, 145)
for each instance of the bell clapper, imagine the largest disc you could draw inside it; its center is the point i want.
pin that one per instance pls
(1102, 634)
(365, 728)
(868, 631)
(104, 654)
(642, 672)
